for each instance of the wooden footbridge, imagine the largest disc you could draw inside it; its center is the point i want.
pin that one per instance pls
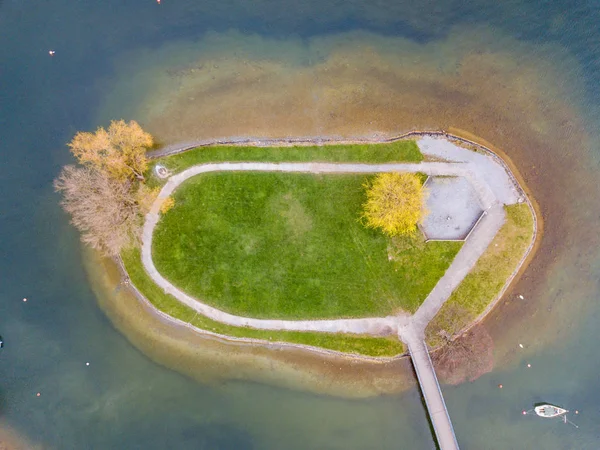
(440, 419)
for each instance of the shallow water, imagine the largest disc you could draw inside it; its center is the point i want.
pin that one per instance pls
(522, 75)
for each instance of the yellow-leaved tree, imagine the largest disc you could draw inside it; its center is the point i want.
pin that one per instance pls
(107, 198)
(395, 203)
(119, 151)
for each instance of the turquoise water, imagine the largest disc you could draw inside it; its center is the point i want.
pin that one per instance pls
(124, 400)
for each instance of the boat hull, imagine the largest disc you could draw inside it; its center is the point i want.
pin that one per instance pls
(549, 411)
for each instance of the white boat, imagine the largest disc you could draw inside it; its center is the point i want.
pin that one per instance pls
(547, 410)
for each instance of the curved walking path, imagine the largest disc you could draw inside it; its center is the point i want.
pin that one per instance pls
(489, 179)
(375, 325)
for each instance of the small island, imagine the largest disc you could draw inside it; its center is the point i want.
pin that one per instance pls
(268, 243)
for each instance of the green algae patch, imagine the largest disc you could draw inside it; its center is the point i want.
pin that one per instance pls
(291, 246)
(483, 284)
(351, 344)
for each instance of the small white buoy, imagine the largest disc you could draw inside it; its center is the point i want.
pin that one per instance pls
(38, 394)
(524, 412)
(529, 365)
(521, 345)
(51, 52)
(576, 411)
(87, 363)
(24, 299)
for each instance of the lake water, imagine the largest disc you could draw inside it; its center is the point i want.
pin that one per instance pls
(522, 75)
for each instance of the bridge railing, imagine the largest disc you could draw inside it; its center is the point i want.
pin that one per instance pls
(442, 442)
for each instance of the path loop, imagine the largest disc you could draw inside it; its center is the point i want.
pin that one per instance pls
(466, 258)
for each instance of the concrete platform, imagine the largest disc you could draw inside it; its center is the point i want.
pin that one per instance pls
(453, 207)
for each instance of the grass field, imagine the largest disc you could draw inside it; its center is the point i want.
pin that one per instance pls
(400, 151)
(353, 344)
(290, 246)
(487, 278)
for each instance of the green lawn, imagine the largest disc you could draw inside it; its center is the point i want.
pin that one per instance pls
(487, 278)
(400, 151)
(353, 344)
(282, 245)
(288, 245)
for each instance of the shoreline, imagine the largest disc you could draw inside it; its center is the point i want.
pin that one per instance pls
(240, 341)
(211, 360)
(509, 168)
(538, 226)
(308, 141)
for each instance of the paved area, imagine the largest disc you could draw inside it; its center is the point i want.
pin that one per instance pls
(453, 208)
(489, 170)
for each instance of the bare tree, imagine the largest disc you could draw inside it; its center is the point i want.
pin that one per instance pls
(107, 212)
(465, 358)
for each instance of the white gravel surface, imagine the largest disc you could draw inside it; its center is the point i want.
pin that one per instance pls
(486, 168)
(453, 208)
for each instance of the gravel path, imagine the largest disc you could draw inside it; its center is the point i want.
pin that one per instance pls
(375, 325)
(465, 260)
